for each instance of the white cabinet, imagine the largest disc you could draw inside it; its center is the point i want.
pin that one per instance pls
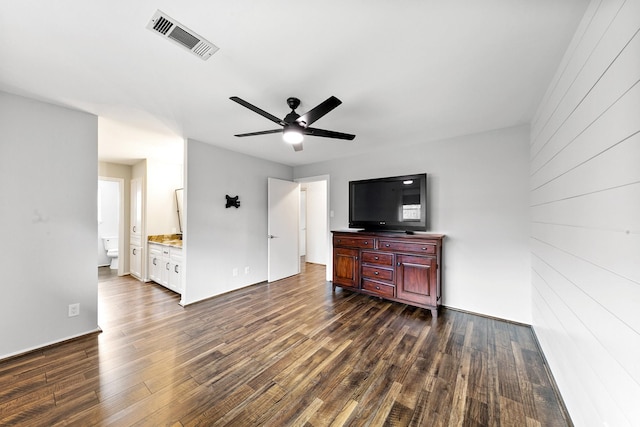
(165, 266)
(155, 265)
(135, 261)
(136, 250)
(175, 270)
(136, 207)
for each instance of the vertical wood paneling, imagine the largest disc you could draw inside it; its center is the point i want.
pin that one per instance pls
(585, 211)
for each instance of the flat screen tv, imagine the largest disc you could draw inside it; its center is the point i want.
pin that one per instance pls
(397, 203)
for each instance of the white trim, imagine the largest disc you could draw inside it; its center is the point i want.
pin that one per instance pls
(327, 178)
(49, 344)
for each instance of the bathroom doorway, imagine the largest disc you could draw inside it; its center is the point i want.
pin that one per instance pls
(110, 233)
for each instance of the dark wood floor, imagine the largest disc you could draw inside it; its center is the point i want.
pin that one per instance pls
(284, 354)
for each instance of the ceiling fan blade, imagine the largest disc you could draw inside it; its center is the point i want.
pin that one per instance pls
(297, 147)
(257, 110)
(263, 132)
(320, 110)
(328, 133)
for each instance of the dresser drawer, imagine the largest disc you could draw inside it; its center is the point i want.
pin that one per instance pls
(377, 273)
(353, 242)
(377, 258)
(378, 288)
(414, 247)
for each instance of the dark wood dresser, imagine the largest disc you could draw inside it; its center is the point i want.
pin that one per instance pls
(395, 266)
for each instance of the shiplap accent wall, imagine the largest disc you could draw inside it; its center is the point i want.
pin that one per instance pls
(585, 210)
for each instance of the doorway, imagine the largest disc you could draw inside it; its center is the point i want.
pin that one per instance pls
(110, 221)
(315, 236)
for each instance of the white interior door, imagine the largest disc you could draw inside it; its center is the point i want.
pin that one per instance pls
(283, 219)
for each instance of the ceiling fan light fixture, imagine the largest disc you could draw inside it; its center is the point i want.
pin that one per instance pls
(292, 135)
(294, 125)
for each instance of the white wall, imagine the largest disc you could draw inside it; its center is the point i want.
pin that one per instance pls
(477, 197)
(218, 239)
(48, 178)
(160, 180)
(163, 178)
(585, 209)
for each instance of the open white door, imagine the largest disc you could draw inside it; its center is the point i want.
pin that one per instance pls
(283, 216)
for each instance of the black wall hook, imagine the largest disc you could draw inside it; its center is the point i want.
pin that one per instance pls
(232, 201)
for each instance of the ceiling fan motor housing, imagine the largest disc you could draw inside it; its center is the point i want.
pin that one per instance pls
(293, 102)
(290, 119)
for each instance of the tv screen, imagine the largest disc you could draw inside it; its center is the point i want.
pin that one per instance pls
(389, 204)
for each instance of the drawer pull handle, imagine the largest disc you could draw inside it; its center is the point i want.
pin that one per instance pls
(376, 273)
(167, 266)
(386, 245)
(378, 287)
(339, 240)
(424, 249)
(134, 251)
(154, 261)
(366, 243)
(176, 269)
(376, 258)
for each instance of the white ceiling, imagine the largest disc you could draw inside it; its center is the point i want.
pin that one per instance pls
(405, 70)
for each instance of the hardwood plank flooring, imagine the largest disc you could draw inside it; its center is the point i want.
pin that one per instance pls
(290, 353)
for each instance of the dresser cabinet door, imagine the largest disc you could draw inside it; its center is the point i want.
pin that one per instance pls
(416, 279)
(346, 267)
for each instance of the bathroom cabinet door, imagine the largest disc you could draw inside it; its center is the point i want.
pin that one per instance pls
(166, 267)
(136, 207)
(155, 263)
(175, 277)
(135, 266)
(175, 271)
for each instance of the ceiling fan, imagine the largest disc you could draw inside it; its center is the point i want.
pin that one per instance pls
(295, 126)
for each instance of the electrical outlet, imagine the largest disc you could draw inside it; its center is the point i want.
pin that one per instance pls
(74, 309)
(235, 272)
(246, 270)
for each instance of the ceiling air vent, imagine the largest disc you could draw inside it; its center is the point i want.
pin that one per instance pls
(171, 29)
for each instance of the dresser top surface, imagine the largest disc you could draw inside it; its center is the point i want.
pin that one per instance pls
(389, 234)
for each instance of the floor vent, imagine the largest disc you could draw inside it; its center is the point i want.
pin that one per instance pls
(182, 36)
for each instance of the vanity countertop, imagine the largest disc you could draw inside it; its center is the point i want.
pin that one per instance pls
(174, 240)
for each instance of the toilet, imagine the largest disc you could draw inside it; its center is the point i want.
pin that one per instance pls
(111, 246)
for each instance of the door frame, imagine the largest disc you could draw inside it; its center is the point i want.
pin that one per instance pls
(122, 248)
(329, 249)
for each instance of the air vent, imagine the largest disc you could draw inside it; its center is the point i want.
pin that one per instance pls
(172, 30)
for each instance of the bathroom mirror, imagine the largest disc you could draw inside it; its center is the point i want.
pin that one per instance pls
(179, 201)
